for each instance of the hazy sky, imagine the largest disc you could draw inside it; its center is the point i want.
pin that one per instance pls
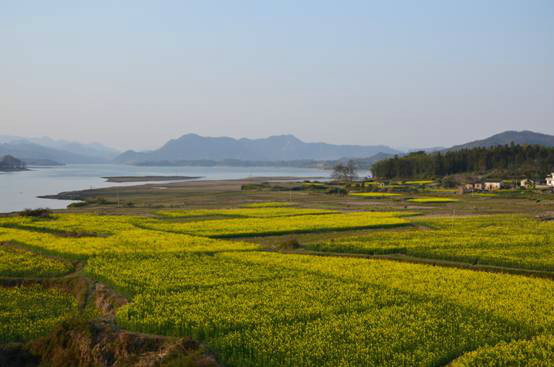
(133, 74)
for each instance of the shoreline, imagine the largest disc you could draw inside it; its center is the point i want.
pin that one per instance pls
(81, 195)
(124, 179)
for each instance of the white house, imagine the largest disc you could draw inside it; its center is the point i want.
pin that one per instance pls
(468, 187)
(492, 186)
(527, 183)
(550, 180)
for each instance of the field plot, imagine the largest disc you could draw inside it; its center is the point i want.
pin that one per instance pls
(29, 312)
(129, 241)
(503, 240)
(15, 262)
(282, 225)
(269, 204)
(172, 272)
(259, 308)
(537, 352)
(77, 225)
(255, 212)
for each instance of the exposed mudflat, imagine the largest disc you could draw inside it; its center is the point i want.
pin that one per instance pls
(121, 179)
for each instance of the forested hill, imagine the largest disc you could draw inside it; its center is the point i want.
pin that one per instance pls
(9, 163)
(507, 137)
(503, 161)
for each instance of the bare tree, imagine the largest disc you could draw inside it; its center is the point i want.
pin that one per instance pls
(345, 171)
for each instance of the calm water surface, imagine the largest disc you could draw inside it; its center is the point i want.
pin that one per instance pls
(19, 190)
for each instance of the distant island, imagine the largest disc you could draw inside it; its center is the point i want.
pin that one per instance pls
(9, 163)
(121, 179)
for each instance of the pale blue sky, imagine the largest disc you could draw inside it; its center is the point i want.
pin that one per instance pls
(134, 74)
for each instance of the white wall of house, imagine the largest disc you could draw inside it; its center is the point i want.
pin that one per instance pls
(527, 183)
(491, 186)
(550, 180)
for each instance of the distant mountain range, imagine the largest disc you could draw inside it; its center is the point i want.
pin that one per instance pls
(192, 149)
(274, 148)
(47, 151)
(524, 137)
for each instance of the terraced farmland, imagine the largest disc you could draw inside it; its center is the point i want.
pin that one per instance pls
(245, 227)
(502, 240)
(16, 262)
(251, 305)
(29, 312)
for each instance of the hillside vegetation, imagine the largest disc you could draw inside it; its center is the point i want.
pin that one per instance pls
(505, 161)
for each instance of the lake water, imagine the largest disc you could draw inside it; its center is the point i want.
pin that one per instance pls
(19, 190)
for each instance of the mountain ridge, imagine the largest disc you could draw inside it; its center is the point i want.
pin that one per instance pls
(523, 137)
(273, 148)
(90, 150)
(33, 152)
(195, 148)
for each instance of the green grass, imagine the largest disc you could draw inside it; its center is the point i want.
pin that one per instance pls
(375, 195)
(484, 194)
(419, 182)
(433, 200)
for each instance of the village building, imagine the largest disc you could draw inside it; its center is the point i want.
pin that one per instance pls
(492, 186)
(469, 187)
(527, 183)
(481, 186)
(550, 180)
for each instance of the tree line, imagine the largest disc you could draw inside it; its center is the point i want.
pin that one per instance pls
(509, 161)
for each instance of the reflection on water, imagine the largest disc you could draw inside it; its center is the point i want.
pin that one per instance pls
(19, 190)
